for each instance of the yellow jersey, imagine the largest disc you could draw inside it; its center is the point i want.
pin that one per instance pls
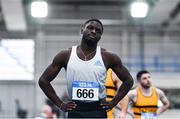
(145, 104)
(110, 91)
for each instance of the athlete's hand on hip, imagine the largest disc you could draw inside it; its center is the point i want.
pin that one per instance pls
(68, 106)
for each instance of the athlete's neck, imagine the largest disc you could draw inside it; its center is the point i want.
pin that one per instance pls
(87, 47)
(146, 91)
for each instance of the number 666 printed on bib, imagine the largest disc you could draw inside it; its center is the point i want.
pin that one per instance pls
(82, 90)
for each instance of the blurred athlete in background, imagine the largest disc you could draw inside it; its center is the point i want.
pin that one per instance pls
(144, 98)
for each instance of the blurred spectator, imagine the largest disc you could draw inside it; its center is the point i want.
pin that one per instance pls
(46, 113)
(20, 113)
(55, 109)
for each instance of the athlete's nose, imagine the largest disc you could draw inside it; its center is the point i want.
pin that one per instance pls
(93, 30)
(148, 80)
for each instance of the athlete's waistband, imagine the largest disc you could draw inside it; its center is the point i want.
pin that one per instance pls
(88, 106)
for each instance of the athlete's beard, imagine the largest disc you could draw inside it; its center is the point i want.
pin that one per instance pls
(91, 42)
(146, 86)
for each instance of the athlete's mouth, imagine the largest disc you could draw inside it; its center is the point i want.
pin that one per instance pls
(92, 36)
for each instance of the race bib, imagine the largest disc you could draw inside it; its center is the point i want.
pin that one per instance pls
(82, 90)
(148, 116)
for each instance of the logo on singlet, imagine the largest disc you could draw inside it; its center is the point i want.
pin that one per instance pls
(98, 63)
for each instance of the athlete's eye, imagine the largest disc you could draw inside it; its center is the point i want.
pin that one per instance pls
(98, 30)
(90, 27)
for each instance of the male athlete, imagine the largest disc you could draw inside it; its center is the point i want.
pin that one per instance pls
(144, 98)
(86, 66)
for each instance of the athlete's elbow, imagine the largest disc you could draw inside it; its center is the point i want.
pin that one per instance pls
(130, 82)
(41, 82)
(168, 105)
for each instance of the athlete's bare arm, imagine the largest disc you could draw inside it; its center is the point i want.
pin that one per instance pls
(123, 104)
(113, 61)
(132, 98)
(60, 61)
(164, 100)
(132, 95)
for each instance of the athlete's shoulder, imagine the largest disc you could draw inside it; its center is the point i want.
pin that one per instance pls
(159, 91)
(110, 59)
(62, 57)
(132, 95)
(64, 52)
(108, 54)
(103, 50)
(132, 92)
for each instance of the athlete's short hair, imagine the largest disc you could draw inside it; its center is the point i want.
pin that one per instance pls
(94, 19)
(140, 73)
